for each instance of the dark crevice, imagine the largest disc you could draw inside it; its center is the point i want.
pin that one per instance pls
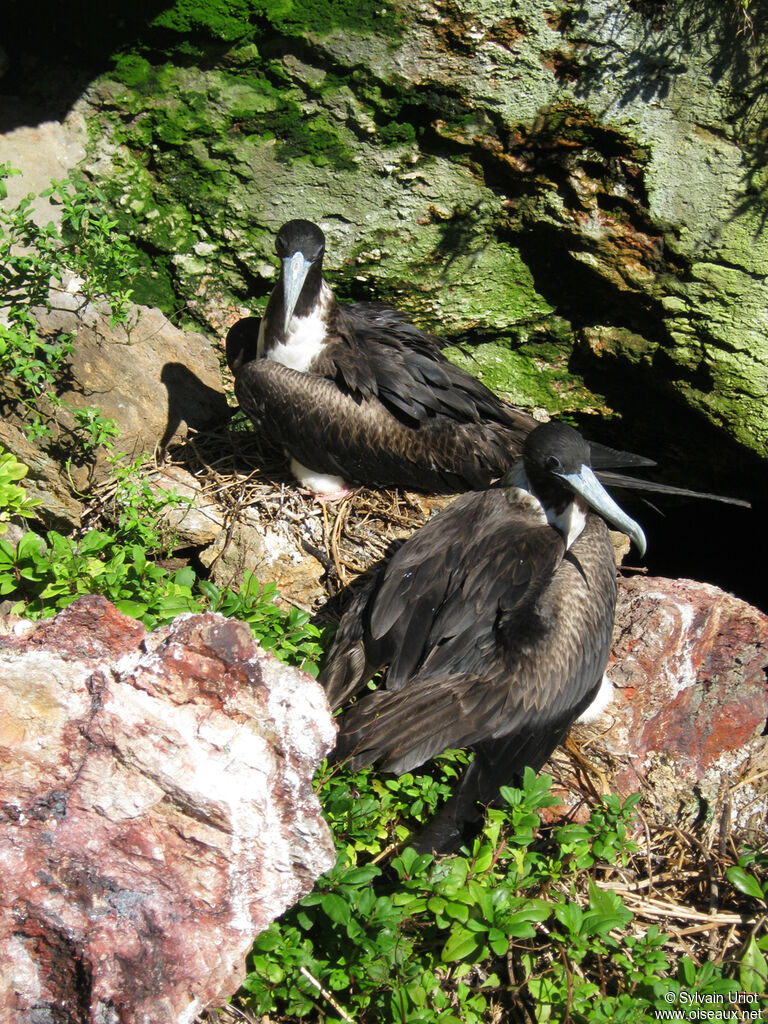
(55, 51)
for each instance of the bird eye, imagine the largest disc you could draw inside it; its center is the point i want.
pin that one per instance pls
(553, 464)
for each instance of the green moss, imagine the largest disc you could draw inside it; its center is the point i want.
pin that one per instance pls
(395, 133)
(298, 136)
(534, 374)
(321, 17)
(231, 20)
(155, 287)
(227, 20)
(453, 273)
(132, 70)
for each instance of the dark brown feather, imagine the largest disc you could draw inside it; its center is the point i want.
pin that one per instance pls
(334, 431)
(489, 629)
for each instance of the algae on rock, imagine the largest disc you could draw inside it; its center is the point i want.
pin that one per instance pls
(597, 164)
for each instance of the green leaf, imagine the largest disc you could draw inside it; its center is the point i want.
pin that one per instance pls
(570, 916)
(29, 546)
(458, 911)
(744, 882)
(185, 577)
(336, 908)
(498, 942)
(753, 969)
(461, 945)
(133, 608)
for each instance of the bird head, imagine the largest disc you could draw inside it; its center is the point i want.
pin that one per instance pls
(557, 466)
(300, 244)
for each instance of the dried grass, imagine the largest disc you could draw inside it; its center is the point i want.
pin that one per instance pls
(241, 473)
(677, 878)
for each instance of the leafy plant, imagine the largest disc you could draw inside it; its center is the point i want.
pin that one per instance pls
(515, 919)
(44, 575)
(96, 430)
(105, 259)
(13, 497)
(102, 261)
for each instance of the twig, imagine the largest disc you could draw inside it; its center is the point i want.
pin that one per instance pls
(326, 995)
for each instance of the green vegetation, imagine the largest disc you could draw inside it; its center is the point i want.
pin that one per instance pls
(42, 574)
(526, 925)
(13, 498)
(97, 258)
(124, 558)
(45, 574)
(233, 20)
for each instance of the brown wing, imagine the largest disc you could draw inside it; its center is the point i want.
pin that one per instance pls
(333, 431)
(373, 352)
(383, 406)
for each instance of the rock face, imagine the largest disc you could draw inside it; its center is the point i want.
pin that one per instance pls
(152, 379)
(690, 708)
(156, 811)
(551, 176)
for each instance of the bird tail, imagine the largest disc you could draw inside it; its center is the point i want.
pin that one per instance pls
(499, 762)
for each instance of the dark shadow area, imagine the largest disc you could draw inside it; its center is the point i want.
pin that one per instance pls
(190, 401)
(580, 292)
(709, 543)
(55, 50)
(689, 538)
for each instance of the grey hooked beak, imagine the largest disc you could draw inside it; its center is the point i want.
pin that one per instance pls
(295, 270)
(592, 491)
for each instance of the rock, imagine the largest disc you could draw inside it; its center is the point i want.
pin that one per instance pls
(154, 380)
(46, 481)
(43, 153)
(594, 166)
(197, 520)
(232, 544)
(688, 718)
(271, 552)
(156, 811)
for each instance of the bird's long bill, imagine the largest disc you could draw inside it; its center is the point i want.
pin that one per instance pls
(592, 491)
(295, 270)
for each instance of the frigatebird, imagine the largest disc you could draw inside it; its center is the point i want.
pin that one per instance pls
(494, 623)
(356, 394)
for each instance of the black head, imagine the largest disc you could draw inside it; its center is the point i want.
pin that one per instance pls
(555, 450)
(300, 236)
(557, 465)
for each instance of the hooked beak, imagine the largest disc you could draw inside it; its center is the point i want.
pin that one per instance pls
(295, 270)
(586, 484)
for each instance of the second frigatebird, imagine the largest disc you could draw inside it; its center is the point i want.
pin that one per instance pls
(494, 623)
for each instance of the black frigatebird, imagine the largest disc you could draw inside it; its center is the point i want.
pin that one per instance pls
(494, 621)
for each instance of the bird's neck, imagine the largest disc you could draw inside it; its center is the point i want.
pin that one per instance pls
(306, 334)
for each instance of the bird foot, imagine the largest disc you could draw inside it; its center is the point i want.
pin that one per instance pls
(323, 497)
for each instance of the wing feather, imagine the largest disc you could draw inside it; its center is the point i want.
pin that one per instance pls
(516, 645)
(333, 431)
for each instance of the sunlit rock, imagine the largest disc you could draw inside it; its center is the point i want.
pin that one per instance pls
(156, 811)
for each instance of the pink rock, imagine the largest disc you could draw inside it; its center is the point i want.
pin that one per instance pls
(690, 706)
(156, 811)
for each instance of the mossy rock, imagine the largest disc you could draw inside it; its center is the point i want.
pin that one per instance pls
(490, 174)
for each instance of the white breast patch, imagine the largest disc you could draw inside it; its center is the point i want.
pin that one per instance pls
(305, 338)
